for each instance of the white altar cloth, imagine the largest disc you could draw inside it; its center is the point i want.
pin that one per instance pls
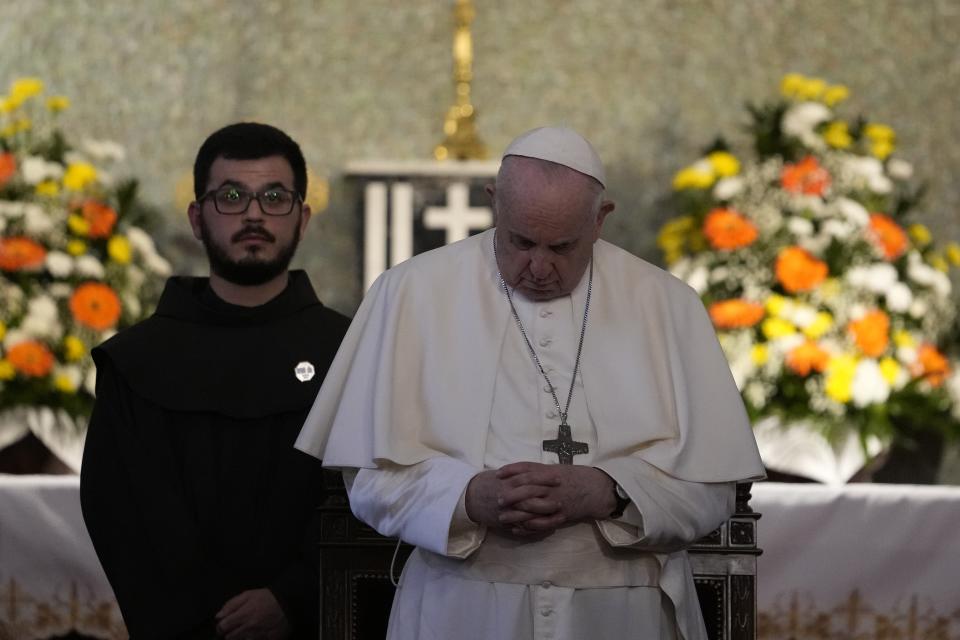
(859, 561)
(50, 579)
(863, 562)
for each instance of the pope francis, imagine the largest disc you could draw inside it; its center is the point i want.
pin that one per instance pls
(547, 418)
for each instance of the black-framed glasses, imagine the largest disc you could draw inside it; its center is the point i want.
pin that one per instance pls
(233, 201)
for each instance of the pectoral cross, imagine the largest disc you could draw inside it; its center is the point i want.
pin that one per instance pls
(565, 446)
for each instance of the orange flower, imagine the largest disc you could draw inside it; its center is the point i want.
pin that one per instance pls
(95, 305)
(806, 177)
(888, 236)
(871, 333)
(17, 253)
(30, 358)
(735, 314)
(728, 229)
(100, 217)
(8, 167)
(797, 270)
(931, 364)
(807, 357)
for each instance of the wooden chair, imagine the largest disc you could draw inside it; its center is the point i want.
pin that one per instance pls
(356, 591)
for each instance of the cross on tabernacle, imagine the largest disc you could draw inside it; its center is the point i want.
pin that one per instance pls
(565, 446)
(458, 217)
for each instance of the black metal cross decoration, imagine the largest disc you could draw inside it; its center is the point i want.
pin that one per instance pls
(565, 446)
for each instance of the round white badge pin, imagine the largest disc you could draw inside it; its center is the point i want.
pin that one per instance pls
(304, 371)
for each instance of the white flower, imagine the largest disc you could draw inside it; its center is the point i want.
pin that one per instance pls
(919, 308)
(698, 279)
(59, 264)
(837, 229)
(36, 169)
(803, 316)
(922, 273)
(800, 226)
(801, 120)
(727, 188)
(907, 355)
(900, 169)
(90, 381)
(42, 318)
(90, 267)
(60, 290)
(104, 150)
(899, 298)
(140, 240)
(43, 307)
(132, 303)
(869, 171)
(953, 389)
(869, 385)
(852, 211)
(36, 221)
(159, 265)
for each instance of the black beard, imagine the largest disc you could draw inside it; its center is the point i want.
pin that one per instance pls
(248, 271)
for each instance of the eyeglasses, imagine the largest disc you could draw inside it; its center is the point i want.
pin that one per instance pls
(233, 201)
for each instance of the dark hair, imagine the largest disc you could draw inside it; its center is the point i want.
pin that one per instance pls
(248, 141)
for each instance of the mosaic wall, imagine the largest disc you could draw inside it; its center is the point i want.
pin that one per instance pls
(649, 81)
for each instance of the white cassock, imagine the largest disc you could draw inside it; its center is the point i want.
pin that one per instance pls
(433, 383)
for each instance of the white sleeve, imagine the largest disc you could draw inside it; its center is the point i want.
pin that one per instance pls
(665, 514)
(422, 504)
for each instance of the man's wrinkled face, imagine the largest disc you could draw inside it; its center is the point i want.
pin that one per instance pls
(546, 223)
(250, 248)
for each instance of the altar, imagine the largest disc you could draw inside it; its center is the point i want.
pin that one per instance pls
(861, 561)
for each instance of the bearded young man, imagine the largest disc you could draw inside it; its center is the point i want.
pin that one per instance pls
(197, 504)
(547, 418)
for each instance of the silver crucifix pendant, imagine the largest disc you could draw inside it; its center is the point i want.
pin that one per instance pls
(565, 446)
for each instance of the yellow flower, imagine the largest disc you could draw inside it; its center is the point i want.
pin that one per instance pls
(881, 149)
(812, 89)
(822, 323)
(939, 263)
(692, 178)
(3, 330)
(25, 88)
(7, 372)
(76, 247)
(791, 84)
(48, 189)
(775, 304)
(673, 233)
(63, 382)
(879, 132)
(953, 254)
(903, 338)
(835, 94)
(7, 105)
(837, 135)
(920, 235)
(23, 124)
(57, 104)
(118, 248)
(9, 130)
(79, 176)
(759, 354)
(73, 348)
(774, 328)
(839, 381)
(78, 224)
(724, 164)
(889, 369)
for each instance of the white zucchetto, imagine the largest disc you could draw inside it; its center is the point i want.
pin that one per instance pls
(562, 146)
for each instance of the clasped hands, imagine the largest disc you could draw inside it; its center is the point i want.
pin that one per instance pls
(530, 498)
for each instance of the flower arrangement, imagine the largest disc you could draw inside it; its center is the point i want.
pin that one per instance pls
(75, 267)
(832, 308)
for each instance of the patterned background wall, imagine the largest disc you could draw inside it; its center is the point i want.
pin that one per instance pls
(649, 81)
